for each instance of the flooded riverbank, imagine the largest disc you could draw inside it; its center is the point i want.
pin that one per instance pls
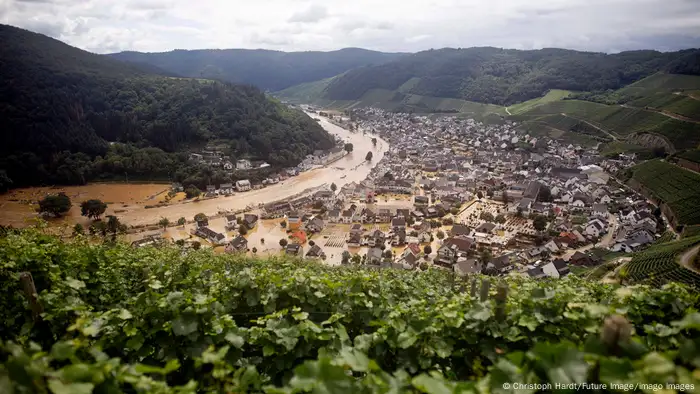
(18, 206)
(350, 168)
(129, 201)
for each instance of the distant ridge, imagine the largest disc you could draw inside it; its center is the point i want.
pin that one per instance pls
(266, 69)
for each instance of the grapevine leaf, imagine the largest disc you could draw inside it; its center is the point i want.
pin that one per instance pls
(430, 385)
(58, 387)
(63, 350)
(235, 340)
(124, 314)
(407, 339)
(355, 359)
(75, 283)
(183, 326)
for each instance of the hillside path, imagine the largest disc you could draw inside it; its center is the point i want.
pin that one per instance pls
(592, 125)
(687, 95)
(508, 112)
(687, 258)
(662, 112)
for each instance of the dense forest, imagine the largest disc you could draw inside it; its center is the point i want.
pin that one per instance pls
(269, 70)
(507, 76)
(70, 116)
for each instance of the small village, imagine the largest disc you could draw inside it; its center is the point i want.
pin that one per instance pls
(451, 194)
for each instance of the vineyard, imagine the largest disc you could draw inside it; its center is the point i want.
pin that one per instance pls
(615, 119)
(677, 187)
(659, 265)
(110, 319)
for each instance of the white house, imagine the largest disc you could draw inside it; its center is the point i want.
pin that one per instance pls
(243, 164)
(243, 185)
(595, 228)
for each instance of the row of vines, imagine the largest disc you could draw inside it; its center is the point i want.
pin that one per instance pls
(116, 319)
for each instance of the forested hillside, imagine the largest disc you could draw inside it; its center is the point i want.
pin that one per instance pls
(268, 70)
(63, 110)
(507, 76)
(118, 319)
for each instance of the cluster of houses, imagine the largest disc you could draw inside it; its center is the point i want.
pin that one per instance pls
(445, 162)
(214, 156)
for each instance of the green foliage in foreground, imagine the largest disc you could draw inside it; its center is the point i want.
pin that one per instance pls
(157, 321)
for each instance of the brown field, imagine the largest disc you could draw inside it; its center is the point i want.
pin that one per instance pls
(18, 207)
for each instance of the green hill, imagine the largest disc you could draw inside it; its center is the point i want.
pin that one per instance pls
(655, 112)
(63, 109)
(504, 76)
(117, 319)
(268, 70)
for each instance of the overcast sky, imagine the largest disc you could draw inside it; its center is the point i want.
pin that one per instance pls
(387, 25)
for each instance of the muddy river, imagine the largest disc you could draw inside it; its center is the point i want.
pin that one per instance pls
(129, 201)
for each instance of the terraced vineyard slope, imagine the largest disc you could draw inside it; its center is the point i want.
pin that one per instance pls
(675, 189)
(116, 319)
(660, 264)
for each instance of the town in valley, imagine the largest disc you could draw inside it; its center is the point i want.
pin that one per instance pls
(449, 193)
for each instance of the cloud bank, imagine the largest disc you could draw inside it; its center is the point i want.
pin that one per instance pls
(389, 25)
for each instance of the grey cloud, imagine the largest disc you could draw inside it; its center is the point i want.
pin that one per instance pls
(53, 28)
(314, 13)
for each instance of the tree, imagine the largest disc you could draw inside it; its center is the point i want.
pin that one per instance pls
(505, 197)
(334, 187)
(545, 194)
(500, 218)
(78, 230)
(55, 204)
(356, 259)
(5, 181)
(283, 242)
(374, 141)
(479, 195)
(254, 250)
(440, 234)
(427, 249)
(192, 192)
(487, 216)
(539, 223)
(454, 211)
(348, 147)
(283, 224)
(164, 222)
(262, 241)
(180, 242)
(92, 209)
(368, 157)
(181, 221)
(485, 256)
(388, 254)
(114, 226)
(345, 257)
(196, 245)
(200, 217)
(243, 229)
(98, 228)
(519, 212)
(312, 243)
